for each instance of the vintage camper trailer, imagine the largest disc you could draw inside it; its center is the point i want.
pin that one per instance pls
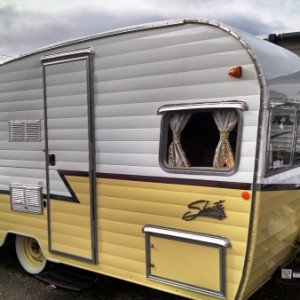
(166, 154)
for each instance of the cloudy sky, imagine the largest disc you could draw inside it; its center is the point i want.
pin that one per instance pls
(26, 25)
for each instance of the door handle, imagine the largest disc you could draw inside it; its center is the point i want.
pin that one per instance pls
(51, 160)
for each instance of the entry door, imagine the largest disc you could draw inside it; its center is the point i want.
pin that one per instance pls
(69, 135)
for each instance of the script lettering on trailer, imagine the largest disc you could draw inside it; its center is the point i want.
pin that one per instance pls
(201, 209)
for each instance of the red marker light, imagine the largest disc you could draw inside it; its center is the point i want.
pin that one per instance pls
(246, 195)
(235, 72)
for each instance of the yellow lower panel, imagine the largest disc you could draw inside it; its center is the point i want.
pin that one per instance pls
(71, 222)
(22, 223)
(188, 263)
(275, 229)
(123, 208)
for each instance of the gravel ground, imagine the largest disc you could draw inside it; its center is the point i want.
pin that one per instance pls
(16, 284)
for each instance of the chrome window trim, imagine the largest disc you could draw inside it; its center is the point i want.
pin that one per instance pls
(239, 106)
(213, 241)
(292, 108)
(56, 57)
(234, 104)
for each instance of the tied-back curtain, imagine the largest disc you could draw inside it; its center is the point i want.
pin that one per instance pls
(225, 120)
(176, 155)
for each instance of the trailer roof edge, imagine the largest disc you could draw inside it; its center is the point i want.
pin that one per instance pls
(135, 28)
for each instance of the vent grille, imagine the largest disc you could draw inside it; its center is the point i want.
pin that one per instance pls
(26, 198)
(25, 131)
(16, 131)
(33, 197)
(32, 131)
(18, 195)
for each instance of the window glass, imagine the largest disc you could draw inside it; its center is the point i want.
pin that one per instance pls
(201, 139)
(281, 139)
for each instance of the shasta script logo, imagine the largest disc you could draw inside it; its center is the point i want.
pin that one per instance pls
(201, 208)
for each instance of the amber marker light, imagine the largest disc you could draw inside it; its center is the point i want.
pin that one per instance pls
(235, 72)
(246, 195)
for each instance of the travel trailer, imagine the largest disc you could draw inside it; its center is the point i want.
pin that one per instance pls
(166, 154)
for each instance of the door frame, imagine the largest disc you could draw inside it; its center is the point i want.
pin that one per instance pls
(58, 58)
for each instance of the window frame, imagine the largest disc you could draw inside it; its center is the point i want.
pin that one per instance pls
(167, 110)
(296, 111)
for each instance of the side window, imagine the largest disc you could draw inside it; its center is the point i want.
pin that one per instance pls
(200, 140)
(281, 137)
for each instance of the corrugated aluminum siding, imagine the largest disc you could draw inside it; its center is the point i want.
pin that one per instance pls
(134, 75)
(21, 98)
(66, 87)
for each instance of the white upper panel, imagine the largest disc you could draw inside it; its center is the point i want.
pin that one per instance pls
(137, 70)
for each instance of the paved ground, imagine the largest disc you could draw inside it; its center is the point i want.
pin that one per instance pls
(15, 284)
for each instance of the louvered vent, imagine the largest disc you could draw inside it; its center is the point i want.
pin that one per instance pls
(26, 198)
(32, 131)
(25, 131)
(16, 131)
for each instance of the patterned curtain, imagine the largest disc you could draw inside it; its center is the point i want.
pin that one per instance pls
(176, 155)
(225, 120)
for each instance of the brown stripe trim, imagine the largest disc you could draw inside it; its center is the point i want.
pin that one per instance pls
(208, 183)
(63, 198)
(73, 173)
(166, 180)
(73, 197)
(44, 196)
(4, 192)
(278, 187)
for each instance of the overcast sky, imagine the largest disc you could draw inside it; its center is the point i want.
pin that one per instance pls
(26, 25)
